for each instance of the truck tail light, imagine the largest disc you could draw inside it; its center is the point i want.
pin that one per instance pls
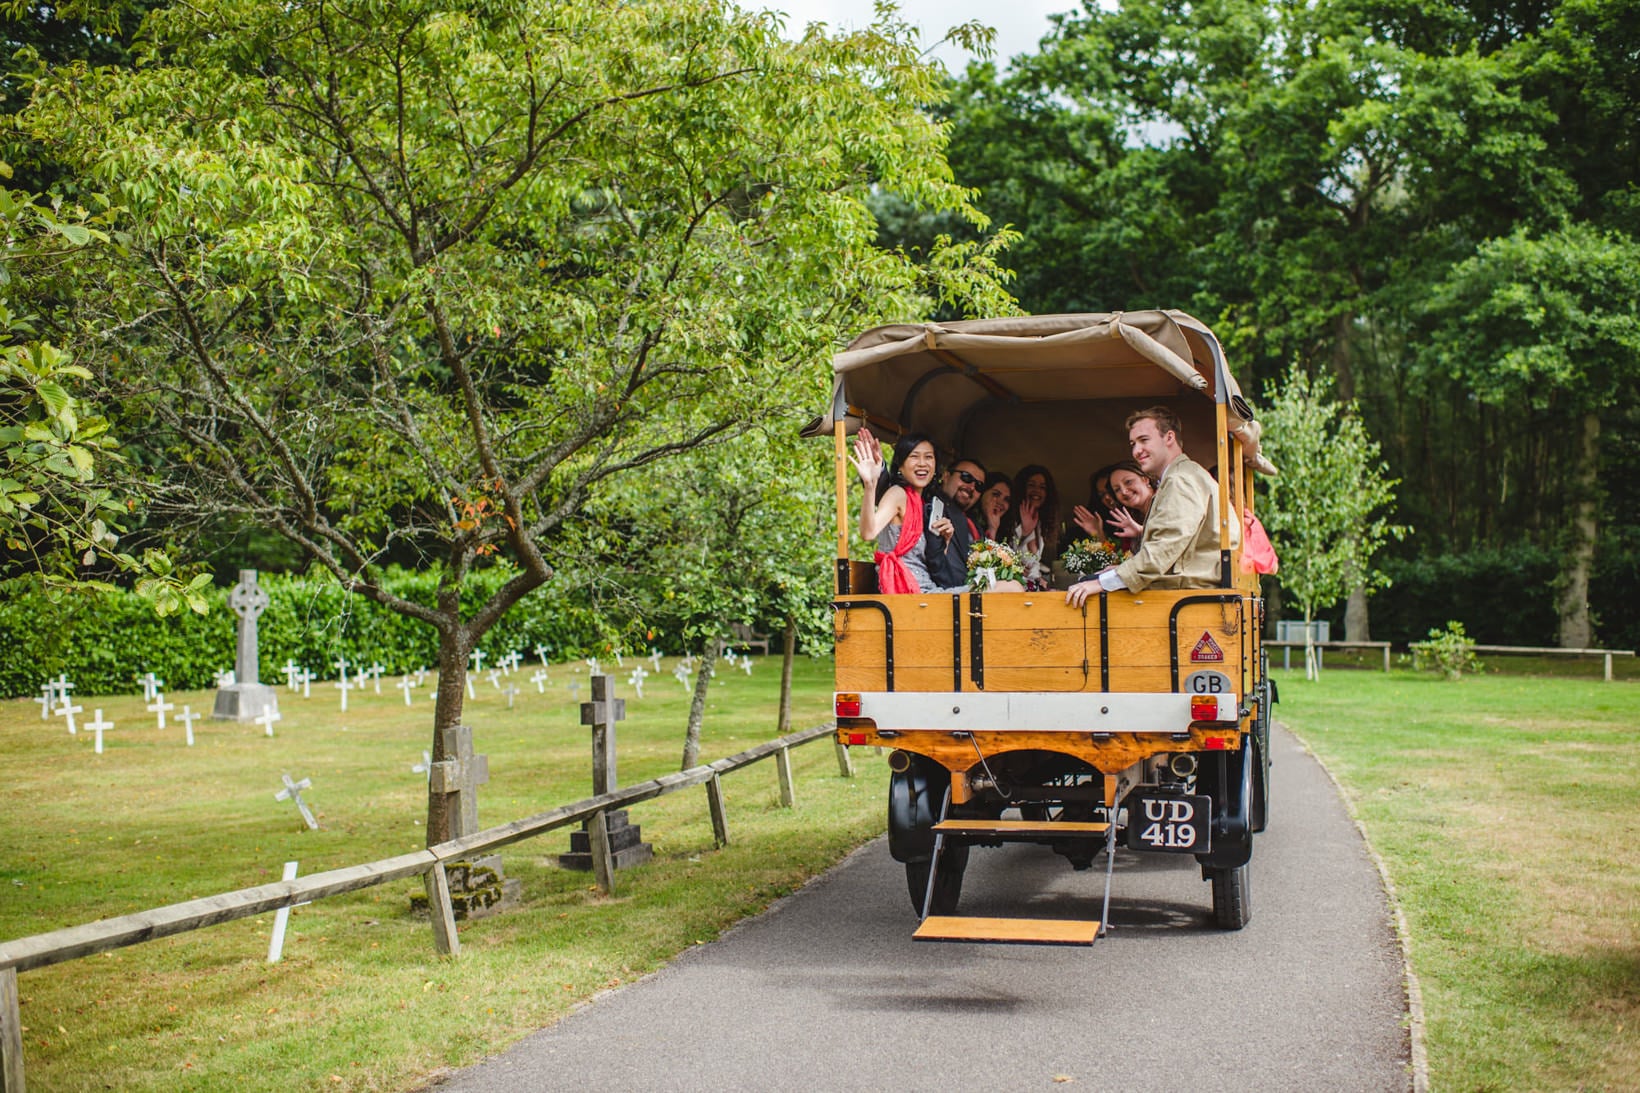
(1204, 708)
(848, 705)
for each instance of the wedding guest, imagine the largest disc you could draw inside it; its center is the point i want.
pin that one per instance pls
(1032, 523)
(1132, 492)
(992, 506)
(891, 510)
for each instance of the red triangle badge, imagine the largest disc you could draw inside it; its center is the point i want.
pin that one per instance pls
(1207, 649)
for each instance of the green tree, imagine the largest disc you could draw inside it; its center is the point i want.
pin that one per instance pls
(1326, 510)
(423, 280)
(1551, 322)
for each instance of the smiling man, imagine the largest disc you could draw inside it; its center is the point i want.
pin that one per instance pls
(947, 539)
(1180, 545)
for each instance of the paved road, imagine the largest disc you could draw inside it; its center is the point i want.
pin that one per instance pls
(826, 991)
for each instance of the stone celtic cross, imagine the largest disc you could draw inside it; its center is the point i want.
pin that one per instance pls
(248, 600)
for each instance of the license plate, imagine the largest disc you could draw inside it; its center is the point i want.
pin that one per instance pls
(1171, 823)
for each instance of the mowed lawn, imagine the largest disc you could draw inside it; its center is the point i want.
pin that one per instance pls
(1508, 811)
(361, 1001)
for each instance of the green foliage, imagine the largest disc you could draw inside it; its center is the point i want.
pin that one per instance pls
(1325, 512)
(1450, 652)
(106, 643)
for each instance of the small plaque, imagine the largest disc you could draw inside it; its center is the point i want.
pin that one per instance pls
(1207, 650)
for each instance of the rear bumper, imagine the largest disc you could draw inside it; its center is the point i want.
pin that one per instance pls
(1038, 711)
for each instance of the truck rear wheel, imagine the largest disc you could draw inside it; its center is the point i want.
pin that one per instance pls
(1232, 897)
(947, 886)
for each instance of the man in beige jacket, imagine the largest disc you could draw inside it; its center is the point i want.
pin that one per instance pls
(1180, 545)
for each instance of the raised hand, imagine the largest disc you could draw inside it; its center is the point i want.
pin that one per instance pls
(1088, 522)
(1124, 523)
(1028, 515)
(867, 457)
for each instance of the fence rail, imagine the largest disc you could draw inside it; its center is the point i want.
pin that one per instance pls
(1287, 648)
(40, 950)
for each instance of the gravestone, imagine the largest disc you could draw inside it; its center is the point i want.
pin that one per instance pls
(98, 726)
(541, 652)
(477, 886)
(626, 845)
(511, 692)
(655, 657)
(293, 792)
(636, 679)
(246, 698)
(540, 681)
(268, 716)
(405, 685)
(161, 707)
(188, 717)
(68, 710)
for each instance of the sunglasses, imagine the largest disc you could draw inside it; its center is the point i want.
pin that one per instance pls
(970, 479)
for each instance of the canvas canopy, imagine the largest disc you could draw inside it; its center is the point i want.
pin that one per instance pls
(936, 377)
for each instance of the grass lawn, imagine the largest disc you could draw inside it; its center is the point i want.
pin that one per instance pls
(360, 1000)
(1508, 811)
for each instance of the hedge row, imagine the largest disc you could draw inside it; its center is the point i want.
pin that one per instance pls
(1502, 596)
(106, 643)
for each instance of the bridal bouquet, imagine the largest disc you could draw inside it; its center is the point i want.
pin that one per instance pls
(990, 561)
(1087, 556)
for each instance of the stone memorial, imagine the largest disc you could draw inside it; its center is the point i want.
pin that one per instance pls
(477, 886)
(626, 845)
(246, 698)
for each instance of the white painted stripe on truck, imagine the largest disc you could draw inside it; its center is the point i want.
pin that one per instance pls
(1035, 711)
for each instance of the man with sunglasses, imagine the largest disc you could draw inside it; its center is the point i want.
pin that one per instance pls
(947, 537)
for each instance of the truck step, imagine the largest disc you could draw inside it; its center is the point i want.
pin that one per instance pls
(1023, 829)
(1004, 931)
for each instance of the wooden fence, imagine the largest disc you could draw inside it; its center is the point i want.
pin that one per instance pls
(40, 950)
(1287, 648)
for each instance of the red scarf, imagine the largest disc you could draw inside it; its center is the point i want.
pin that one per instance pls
(892, 575)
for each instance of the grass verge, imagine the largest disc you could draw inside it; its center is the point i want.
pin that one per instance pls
(360, 1000)
(1505, 810)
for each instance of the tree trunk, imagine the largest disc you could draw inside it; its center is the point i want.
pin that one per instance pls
(1357, 623)
(697, 704)
(1312, 669)
(1573, 608)
(452, 695)
(789, 652)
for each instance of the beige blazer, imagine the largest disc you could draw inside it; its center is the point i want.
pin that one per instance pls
(1180, 546)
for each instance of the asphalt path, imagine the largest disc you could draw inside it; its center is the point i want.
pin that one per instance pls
(827, 991)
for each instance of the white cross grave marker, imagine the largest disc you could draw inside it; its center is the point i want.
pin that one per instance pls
(98, 726)
(477, 657)
(68, 710)
(423, 768)
(540, 681)
(511, 692)
(307, 683)
(636, 679)
(188, 717)
(405, 685)
(376, 671)
(619, 663)
(494, 676)
(340, 665)
(291, 670)
(515, 656)
(575, 691)
(281, 919)
(159, 706)
(268, 716)
(655, 657)
(346, 687)
(681, 674)
(592, 666)
(224, 678)
(746, 664)
(729, 655)
(48, 695)
(541, 652)
(470, 692)
(150, 685)
(293, 792)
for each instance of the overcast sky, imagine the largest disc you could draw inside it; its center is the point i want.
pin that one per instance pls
(1020, 24)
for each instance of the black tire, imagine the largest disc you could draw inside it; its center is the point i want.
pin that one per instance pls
(1259, 813)
(1232, 897)
(947, 886)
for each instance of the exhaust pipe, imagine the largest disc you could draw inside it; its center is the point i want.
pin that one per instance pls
(899, 761)
(1183, 765)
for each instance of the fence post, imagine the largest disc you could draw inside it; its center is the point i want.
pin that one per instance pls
(845, 762)
(11, 1034)
(445, 939)
(783, 764)
(1386, 656)
(714, 804)
(603, 867)
(1608, 666)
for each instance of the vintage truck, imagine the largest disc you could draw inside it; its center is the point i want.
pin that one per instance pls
(1015, 716)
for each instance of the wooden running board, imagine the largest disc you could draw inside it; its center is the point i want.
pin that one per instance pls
(1023, 829)
(1005, 931)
